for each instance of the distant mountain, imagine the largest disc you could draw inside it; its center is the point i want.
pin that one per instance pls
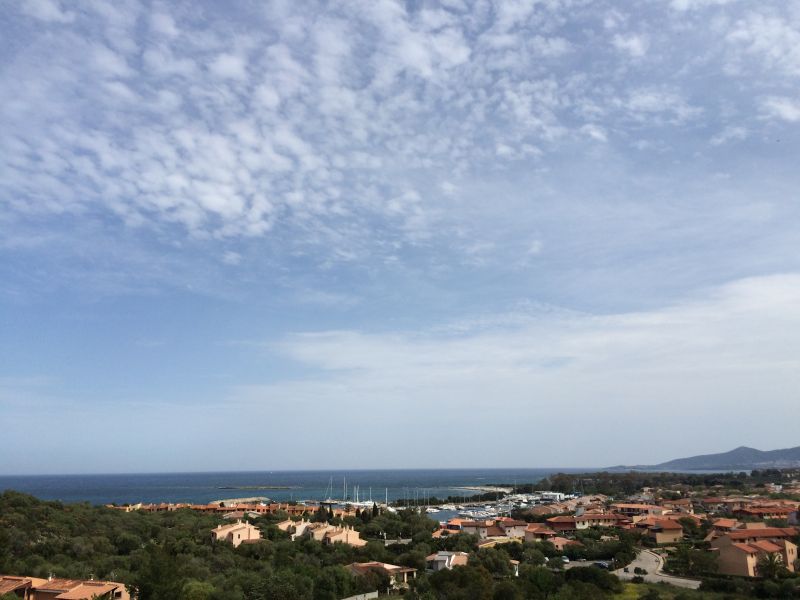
(741, 458)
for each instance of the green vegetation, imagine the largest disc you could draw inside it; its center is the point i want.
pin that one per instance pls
(618, 484)
(171, 555)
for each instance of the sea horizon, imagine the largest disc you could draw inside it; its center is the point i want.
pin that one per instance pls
(278, 485)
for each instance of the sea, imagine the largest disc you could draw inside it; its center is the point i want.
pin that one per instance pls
(281, 486)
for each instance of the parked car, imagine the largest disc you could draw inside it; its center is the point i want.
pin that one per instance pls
(564, 559)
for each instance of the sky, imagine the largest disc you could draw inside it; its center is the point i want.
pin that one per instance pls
(382, 234)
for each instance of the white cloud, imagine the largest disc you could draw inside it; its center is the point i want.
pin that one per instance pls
(684, 5)
(595, 132)
(729, 134)
(772, 38)
(633, 44)
(47, 10)
(229, 66)
(164, 24)
(535, 248)
(697, 357)
(310, 132)
(110, 63)
(778, 107)
(659, 104)
(231, 258)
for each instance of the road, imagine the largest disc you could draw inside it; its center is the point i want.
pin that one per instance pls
(653, 564)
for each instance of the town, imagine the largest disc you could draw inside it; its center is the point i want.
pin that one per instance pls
(731, 534)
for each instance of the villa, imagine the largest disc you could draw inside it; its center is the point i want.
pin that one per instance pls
(398, 576)
(446, 560)
(34, 588)
(236, 533)
(740, 551)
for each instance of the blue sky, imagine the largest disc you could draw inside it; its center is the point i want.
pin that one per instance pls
(265, 235)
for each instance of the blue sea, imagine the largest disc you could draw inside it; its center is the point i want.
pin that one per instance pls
(295, 485)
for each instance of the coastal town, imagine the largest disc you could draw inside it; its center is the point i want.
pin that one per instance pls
(728, 536)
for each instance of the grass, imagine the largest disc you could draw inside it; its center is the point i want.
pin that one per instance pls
(633, 591)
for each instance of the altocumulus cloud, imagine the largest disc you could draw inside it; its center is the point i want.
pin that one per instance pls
(359, 180)
(231, 124)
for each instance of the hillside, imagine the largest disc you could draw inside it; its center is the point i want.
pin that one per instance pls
(739, 458)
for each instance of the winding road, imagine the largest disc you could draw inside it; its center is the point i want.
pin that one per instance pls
(654, 564)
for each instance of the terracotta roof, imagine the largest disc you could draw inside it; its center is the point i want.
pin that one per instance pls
(538, 528)
(600, 517)
(58, 585)
(561, 520)
(775, 510)
(495, 531)
(725, 523)
(9, 583)
(659, 523)
(374, 565)
(766, 546)
(87, 590)
(745, 548)
(560, 541)
(767, 532)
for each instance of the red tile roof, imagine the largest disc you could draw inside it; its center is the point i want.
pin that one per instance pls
(9, 583)
(767, 532)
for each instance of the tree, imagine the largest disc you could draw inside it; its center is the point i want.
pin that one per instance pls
(770, 566)
(494, 560)
(687, 561)
(462, 583)
(537, 582)
(197, 590)
(505, 590)
(321, 516)
(158, 575)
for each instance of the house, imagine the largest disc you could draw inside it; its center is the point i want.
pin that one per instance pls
(682, 505)
(512, 527)
(570, 523)
(455, 524)
(765, 512)
(236, 533)
(22, 587)
(663, 531)
(295, 529)
(586, 520)
(632, 510)
(398, 576)
(481, 528)
(723, 526)
(446, 560)
(501, 528)
(322, 532)
(538, 531)
(562, 524)
(740, 551)
(561, 543)
(33, 588)
(343, 535)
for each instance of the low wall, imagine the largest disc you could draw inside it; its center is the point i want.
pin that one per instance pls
(367, 596)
